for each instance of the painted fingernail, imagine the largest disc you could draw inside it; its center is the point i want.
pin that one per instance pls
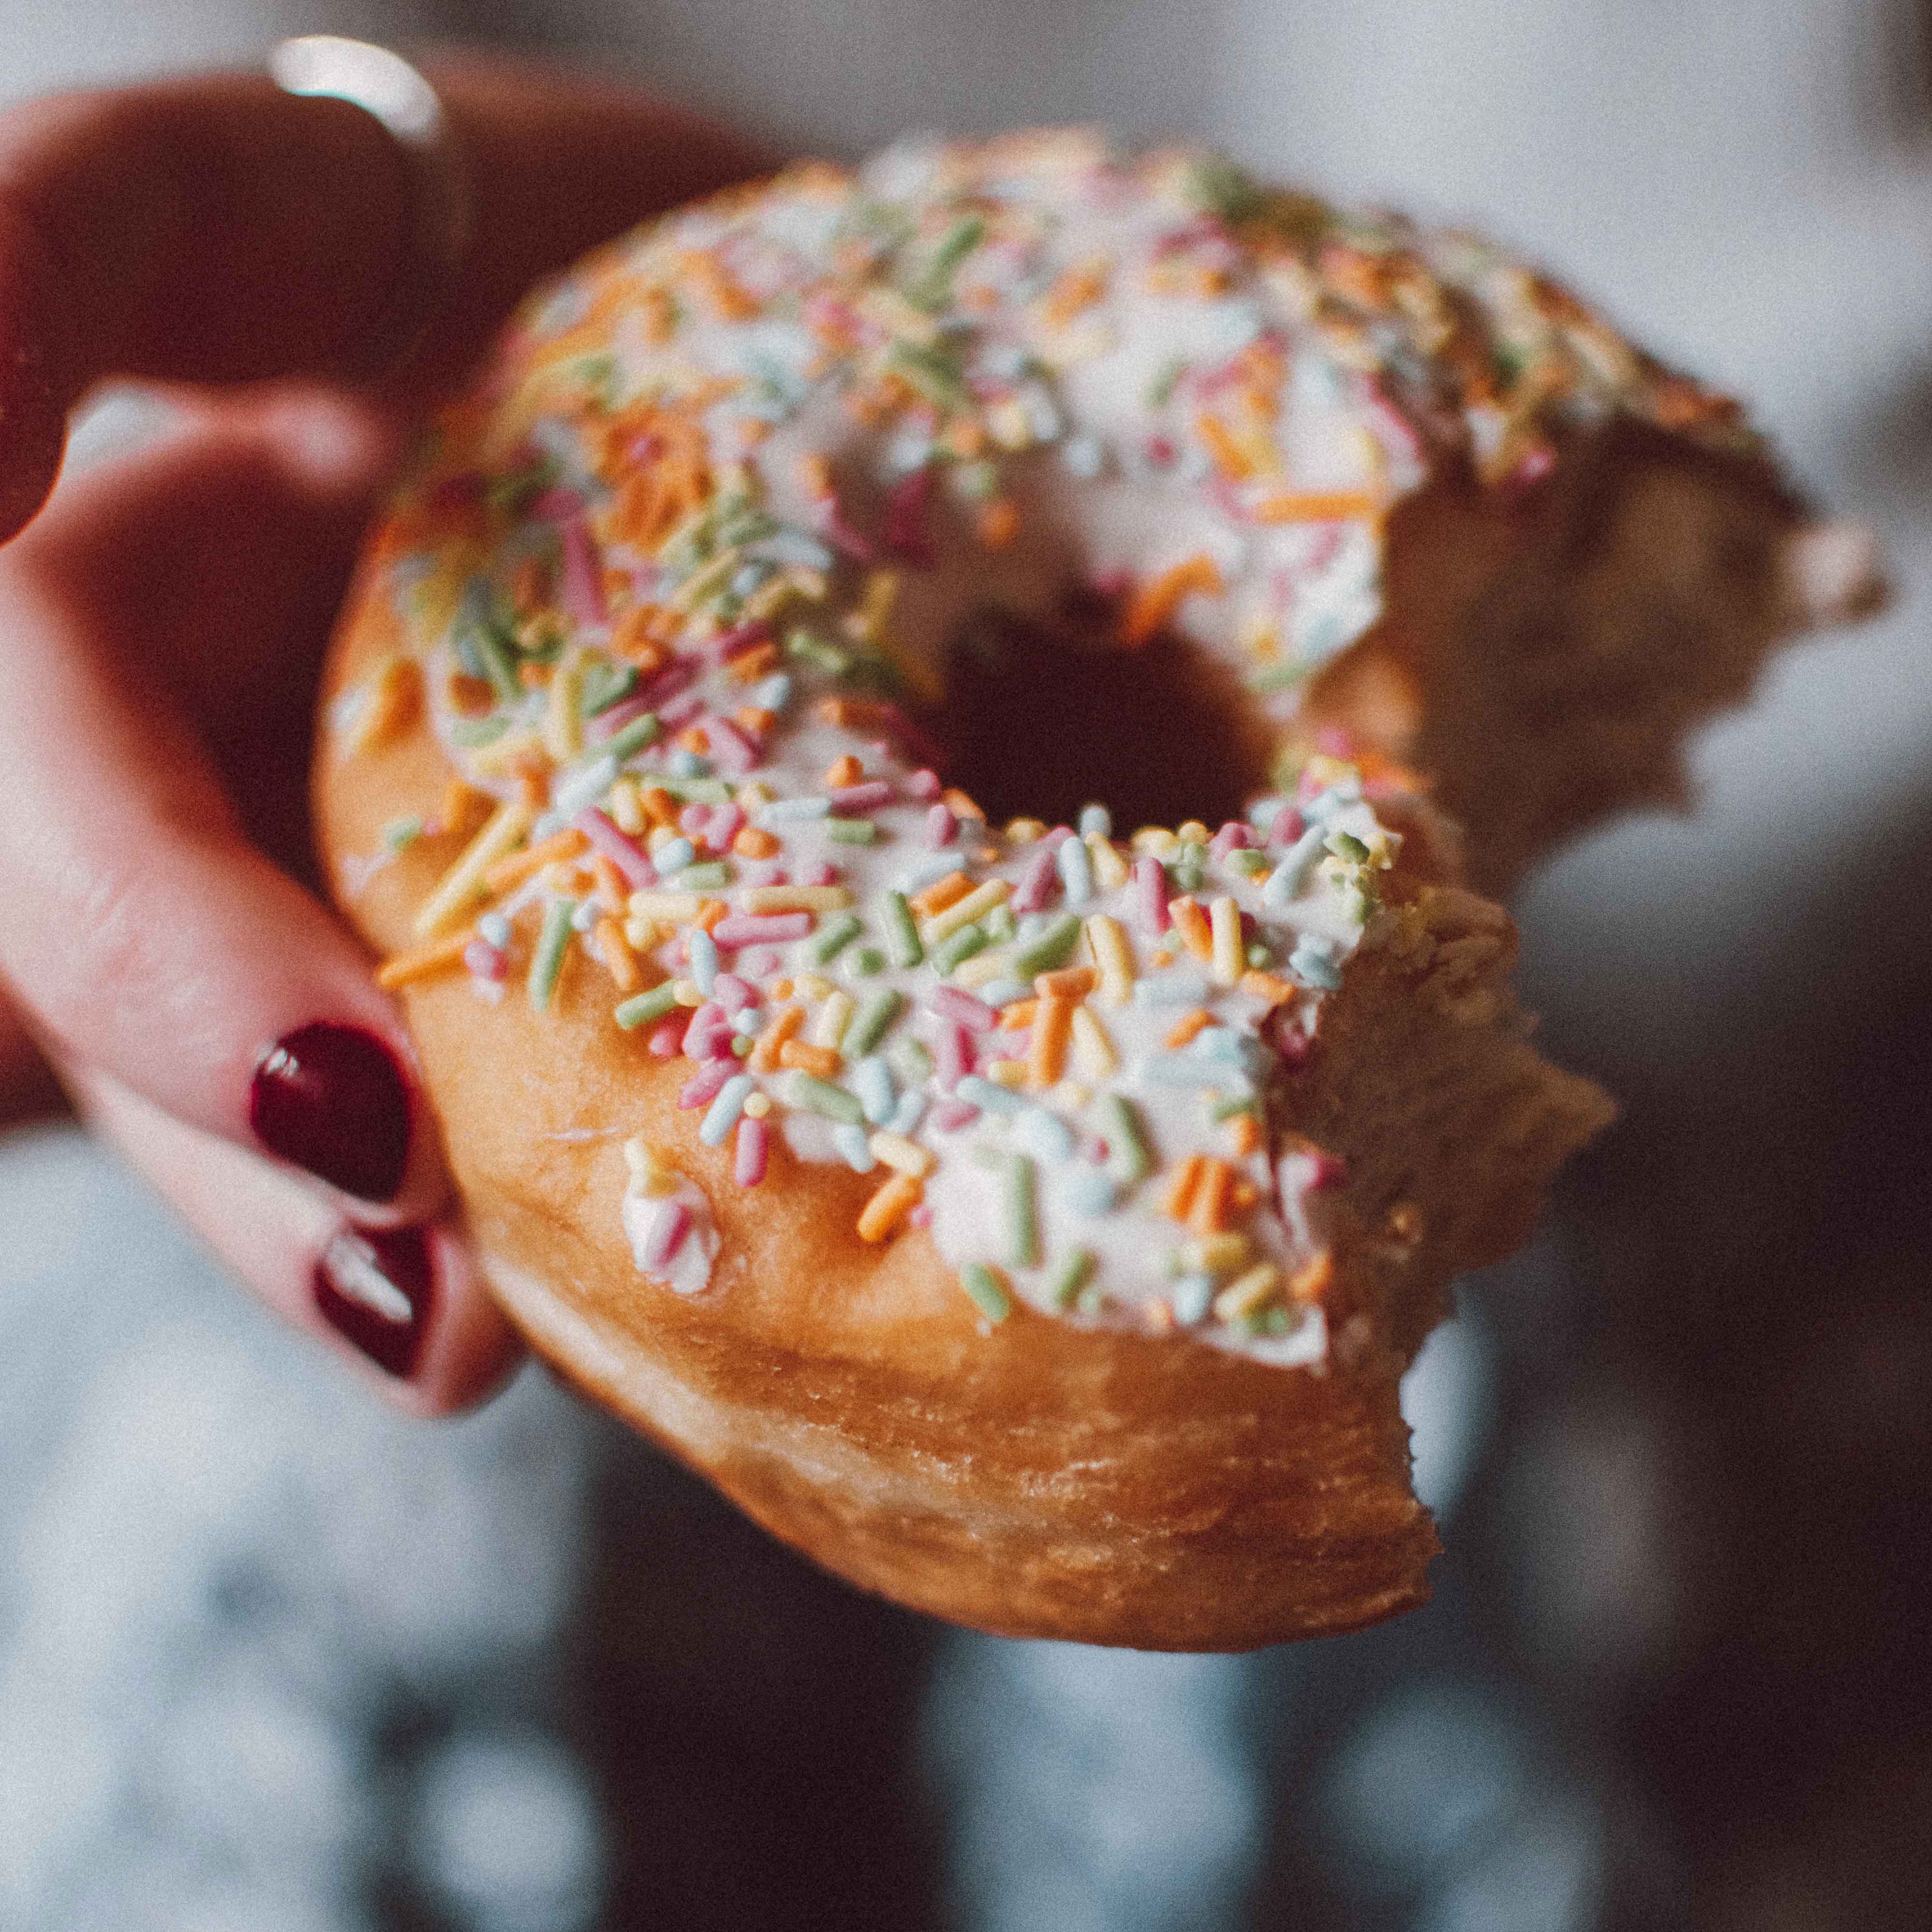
(332, 1099)
(375, 1286)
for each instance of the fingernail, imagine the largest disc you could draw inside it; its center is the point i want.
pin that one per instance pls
(332, 1099)
(374, 1286)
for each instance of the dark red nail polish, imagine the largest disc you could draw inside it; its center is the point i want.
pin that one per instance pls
(375, 1285)
(332, 1099)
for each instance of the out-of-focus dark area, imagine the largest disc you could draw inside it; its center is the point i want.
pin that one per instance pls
(270, 1658)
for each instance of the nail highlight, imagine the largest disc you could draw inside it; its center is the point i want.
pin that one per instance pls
(375, 1286)
(332, 1099)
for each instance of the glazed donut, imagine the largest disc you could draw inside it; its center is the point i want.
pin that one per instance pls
(878, 746)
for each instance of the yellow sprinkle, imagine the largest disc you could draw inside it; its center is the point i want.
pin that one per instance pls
(1222, 1253)
(626, 807)
(462, 883)
(796, 899)
(1247, 1292)
(1108, 940)
(754, 793)
(389, 699)
(1007, 1073)
(758, 1105)
(662, 835)
(1093, 1052)
(1025, 831)
(814, 986)
(1193, 833)
(1224, 918)
(514, 749)
(681, 908)
(1109, 868)
(980, 970)
(828, 1025)
(563, 720)
(1154, 841)
(889, 1208)
(963, 912)
(685, 992)
(643, 934)
(425, 961)
(906, 1157)
(650, 1173)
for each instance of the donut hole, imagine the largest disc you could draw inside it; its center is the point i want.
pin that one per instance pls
(1041, 717)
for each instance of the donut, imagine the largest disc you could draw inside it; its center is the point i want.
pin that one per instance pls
(920, 749)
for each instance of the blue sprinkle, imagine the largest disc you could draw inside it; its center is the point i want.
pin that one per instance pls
(1076, 870)
(585, 916)
(703, 951)
(926, 871)
(1043, 1134)
(1187, 1069)
(494, 929)
(1313, 960)
(910, 1111)
(673, 856)
(1263, 812)
(1004, 992)
(872, 1081)
(722, 1115)
(688, 765)
(781, 809)
(1083, 456)
(1325, 804)
(1096, 822)
(584, 786)
(983, 1094)
(1180, 987)
(748, 1022)
(1086, 1191)
(1285, 881)
(1193, 1295)
(854, 1148)
(773, 694)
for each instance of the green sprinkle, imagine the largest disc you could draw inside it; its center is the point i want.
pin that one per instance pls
(1129, 1160)
(999, 924)
(695, 791)
(476, 731)
(1273, 678)
(1222, 189)
(829, 658)
(815, 1096)
(1050, 950)
(401, 832)
(1226, 1110)
(1259, 957)
(1019, 1210)
(605, 684)
(901, 935)
(836, 933)
(863, 961)
(494, 653)
(984, 1285)
(1163, 386)
(1346, 845)
(1091, 1300)
(1076, 1267)
(959, 947)
(1246, 859)
(547, 962)
(932, 373)
(851, 831)
(910, 1061)
(707, 877)
(870, 1022)
(642, 1008)
(634, 736)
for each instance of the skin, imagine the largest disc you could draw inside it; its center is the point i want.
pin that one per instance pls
(165, 616)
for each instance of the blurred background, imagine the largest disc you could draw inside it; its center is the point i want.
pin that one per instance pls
(270, 1658)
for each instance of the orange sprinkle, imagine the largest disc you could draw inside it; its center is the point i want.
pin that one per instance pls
(660, 316)
(659, 805)
(693, 739)
(1156, 601)
(1247, 1133)
(1207, 1212)
(815, 475)
(1230, 458)
(533, 677)
(1244, 1193)
(1187, 1027)
(960, 804)
(617, 956)
(519, 866)
(940, 894)
(822, 1063)
(1077, 289)
(460, 805)
(890, 1207)
(999, 523)
(754, 719)
(1018, 1017)
(965, 437)
(752, 843)
(751, 665)
(1181, 1189)
(1312, 1282)
(471, 696)
(763, 1057)
(634, 638)
(425, 961)
(1191, 923)
(709, 912)
(532, 787)
(1317, 506)
(1268, 986)
(845, 770)
(731, 300)
(530, 584)
(612, 894)
(1046, 1053)
(1070, 982)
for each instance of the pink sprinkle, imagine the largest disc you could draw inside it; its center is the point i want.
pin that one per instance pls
(734, 752)
(955, 1055)
(920, 1216)
(680, 711)
(1288, 1040)
(1232, 837)
(754, 1143)
(949, 1116)
(1288, 826)
(736, 643)
(941, 827)
(760, 928)
(1150, 890)
(557, 505)
(1159, 452)
(708, 1036)
(907, 536)
(819, 873)
(1330, 1170)
(669, 1226)
(702, 1088)
(695, 822)
(1322, 551)
(675, 676)
(1057, 837)
(954, 1003)
(842, 536)
(761, 963)
(923, 785)
(484, 961)
(582, 592)
(667, 1039)
(1335, 740)
(608, 724)
(734, 994)
(616, 845)
(727, 822)
(867, 797)
(1038, 883)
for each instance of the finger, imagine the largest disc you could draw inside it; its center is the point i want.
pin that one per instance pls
(216, 229)
(406, 1303)
(139, 928)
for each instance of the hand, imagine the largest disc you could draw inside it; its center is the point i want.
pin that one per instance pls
(161, 627)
